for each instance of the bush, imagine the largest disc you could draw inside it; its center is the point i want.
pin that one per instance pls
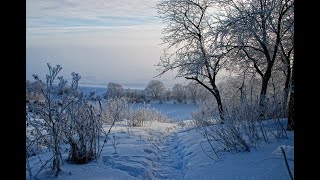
(81, 132)
(138, 116)
(242, 128)
(64, 115)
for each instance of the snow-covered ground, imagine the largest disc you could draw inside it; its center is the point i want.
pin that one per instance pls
(170, 151)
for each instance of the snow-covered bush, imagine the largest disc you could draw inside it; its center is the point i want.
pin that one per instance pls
(138, 116)
(52, 111)
(62, 116)
(155, 115)
(242, 128)
(81, 131)
(206, 113)
(181, 124)
(115, 109)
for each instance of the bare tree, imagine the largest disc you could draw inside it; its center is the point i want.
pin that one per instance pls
(179, 93)
(190, 46)
(156, 90)
(287, 51)
(253, 31)
(114, 90)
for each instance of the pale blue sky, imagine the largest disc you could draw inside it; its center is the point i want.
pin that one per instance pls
(102, 40)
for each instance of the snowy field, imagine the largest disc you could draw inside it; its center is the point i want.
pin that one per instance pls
(175, 112)
(172, 151)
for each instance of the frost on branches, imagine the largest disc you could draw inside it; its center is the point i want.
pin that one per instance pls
(62, 115)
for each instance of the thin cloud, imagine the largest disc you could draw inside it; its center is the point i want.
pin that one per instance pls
(95, 38)
(107, 36)
(89, 20)
(52, 12)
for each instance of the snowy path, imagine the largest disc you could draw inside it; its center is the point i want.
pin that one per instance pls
(166, 151)
(169, 163)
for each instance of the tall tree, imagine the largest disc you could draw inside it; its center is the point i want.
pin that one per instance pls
(254, 30)
(156, 90)
(114, 90)
(190, 47)
(287, 53)
(179, 93)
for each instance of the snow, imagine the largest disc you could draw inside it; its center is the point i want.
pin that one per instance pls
(175, 112)
(259, 163)
(169, 151)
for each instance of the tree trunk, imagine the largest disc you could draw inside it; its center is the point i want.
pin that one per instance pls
(214, 90)
(263, 93)
(218, 99)
(286, 87)
(290, 126)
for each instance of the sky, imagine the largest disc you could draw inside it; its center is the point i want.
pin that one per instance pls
(102, 40)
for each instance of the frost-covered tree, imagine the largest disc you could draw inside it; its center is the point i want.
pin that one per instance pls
(156, 90)
(191, 48)
(168, 95)
(179, 93)
(134, 95)
(254, 32)
(287, 53)
(114, 90)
